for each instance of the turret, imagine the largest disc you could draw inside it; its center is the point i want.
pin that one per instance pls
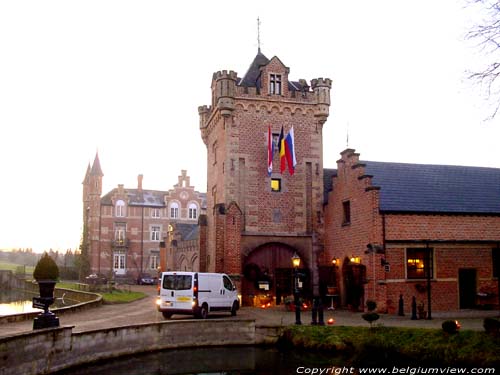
(223, 91)
(204, 113)
(321, 88)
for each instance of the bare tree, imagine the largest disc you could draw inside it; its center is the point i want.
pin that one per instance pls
(486, 35)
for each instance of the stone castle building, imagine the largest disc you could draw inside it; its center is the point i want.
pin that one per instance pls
(256, 221)
(125, 227)
(363, 231)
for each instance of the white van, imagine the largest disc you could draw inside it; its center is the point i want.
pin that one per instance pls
(196, 293)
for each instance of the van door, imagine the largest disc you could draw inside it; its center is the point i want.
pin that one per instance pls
(177, 291)
(228, 291)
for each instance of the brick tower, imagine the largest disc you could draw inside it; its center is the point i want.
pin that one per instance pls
(92, 190)
(257, 220)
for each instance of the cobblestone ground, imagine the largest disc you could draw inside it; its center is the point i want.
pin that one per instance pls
(144, 311)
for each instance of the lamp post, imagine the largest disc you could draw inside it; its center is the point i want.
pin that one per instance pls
(296, 264)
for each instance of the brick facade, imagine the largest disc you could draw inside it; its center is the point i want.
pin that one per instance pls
(460, 244)
(126, 226)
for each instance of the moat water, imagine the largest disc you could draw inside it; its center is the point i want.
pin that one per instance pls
(18, 302)
(219, 360)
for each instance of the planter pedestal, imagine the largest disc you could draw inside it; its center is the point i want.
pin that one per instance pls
(47, 319)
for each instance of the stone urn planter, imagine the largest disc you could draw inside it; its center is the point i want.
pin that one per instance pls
(46, 274)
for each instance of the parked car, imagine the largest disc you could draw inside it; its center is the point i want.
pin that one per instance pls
(95, 279)
(146, 279)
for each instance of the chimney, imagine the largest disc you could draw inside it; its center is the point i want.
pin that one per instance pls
(139, 182)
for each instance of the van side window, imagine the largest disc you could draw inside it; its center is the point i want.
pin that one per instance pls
(228, 284)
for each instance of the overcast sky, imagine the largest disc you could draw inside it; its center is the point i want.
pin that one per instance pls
(125, 78)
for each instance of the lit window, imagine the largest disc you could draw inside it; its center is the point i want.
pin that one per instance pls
(346, 212)
(275, 184)
(174, 210)
(120, 208)
(155, 233)
(275, 84)
(193, 211)
(120, 234)
(416, 263)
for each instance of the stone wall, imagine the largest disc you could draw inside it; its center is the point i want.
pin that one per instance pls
(49, 350)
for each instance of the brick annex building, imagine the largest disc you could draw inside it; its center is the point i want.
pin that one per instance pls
(363, 231)
(126, 227)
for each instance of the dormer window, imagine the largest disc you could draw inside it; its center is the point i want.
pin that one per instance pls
(120, 208)
(275, 84)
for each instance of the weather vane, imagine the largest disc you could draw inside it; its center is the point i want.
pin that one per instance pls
(258, 34)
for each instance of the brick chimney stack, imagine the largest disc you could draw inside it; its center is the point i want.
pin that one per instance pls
(139, 182)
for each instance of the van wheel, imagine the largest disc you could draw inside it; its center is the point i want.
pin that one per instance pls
(167, 315)
(234, 308)
(203, 313)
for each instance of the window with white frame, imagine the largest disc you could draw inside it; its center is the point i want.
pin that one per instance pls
(120, 230)
(155, 233)
(193, 211)
(120, 208)
(155, 213)
(154, 261)
(119, 263)
(174, 210)
(275, 84)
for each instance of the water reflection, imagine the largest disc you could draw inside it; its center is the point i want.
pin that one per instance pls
(219, 360)
(19, 302)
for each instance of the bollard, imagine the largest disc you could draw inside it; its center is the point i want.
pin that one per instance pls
(314, 311)
(321, 319)
(401, 309)
(413, 308)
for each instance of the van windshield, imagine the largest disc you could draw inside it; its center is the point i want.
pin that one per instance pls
(177, 282)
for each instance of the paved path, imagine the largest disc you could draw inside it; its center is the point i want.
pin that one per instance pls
(144, 311)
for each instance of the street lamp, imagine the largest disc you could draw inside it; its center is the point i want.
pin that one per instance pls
(296, 265)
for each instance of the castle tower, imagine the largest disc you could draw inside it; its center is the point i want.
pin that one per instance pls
(92, 190)
(256, 221)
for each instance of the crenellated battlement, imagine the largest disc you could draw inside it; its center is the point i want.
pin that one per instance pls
(321, 88)
(223, 91)
(321, 82)
(224, 74)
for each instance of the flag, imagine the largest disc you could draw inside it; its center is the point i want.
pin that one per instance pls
(290, 152)
(270, 148)
(281, 145)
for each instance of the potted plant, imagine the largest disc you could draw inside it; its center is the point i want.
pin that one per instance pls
(46, 274)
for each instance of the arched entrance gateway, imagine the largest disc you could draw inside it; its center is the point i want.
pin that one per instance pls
(268, 275)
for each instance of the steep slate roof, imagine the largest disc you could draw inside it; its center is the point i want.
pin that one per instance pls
(252, 76)
(327, 182)
(150, 198)
(187, 231)
(436, 188)
(96, 167)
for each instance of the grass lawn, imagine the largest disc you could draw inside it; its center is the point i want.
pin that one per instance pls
(115, 296)
(119, 296)
(407, 345)
(13, 267)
